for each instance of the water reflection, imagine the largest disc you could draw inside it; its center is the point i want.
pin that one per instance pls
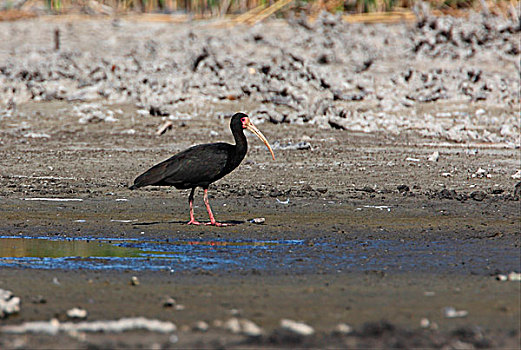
(40, 248)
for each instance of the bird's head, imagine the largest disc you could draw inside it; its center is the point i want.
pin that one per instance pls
(247, 124)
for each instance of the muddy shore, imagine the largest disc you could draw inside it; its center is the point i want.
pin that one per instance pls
(380, 222)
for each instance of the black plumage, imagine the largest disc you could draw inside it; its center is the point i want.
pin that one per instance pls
(201, 165)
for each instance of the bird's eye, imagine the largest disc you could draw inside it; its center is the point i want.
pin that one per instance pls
(243, 120)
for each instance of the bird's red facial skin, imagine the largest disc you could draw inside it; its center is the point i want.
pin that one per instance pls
(245, 121)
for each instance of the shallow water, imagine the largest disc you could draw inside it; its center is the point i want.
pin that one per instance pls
(299, 256)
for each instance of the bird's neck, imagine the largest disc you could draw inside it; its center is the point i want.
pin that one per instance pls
(241, 146)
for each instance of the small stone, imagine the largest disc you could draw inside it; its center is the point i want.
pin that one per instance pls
(241, 326)
(434, 157)
(232, 325)
(425, 323)
(143, 112)
(366, 189)
(451, 312)
(307, 188)
(257, 221)
(343, 329)
(502, 278)
(128, 132)
(517, 190)
(38, 300)
(168, 302)
(201, 326)
(446, 194)
(514, 276)
(275, 193)
(275, 117)
(77, 313)
(517, 175)
(134, 281)
(478, 195)
(249, 328)
(173, 339)
(156, 111)
(179, 307)
(37, 135)
(481, 173)
(9, 304)
(298, 328)
(403, 188)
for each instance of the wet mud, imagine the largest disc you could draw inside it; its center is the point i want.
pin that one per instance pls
(395, 224)
(382, 272)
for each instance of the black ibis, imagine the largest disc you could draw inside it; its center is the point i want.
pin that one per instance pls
(201, 165)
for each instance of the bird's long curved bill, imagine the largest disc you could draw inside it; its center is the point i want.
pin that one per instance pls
(259, 134)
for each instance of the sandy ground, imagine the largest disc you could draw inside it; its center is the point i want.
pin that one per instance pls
(455, 220)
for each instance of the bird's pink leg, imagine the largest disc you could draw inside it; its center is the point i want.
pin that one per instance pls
(191, 202)
(210, 214)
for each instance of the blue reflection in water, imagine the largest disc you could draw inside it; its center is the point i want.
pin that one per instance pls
(296, 256)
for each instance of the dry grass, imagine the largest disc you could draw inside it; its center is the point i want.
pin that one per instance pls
(252, 11)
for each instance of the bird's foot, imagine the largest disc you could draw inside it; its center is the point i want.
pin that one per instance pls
(218, 224)
(193, 222)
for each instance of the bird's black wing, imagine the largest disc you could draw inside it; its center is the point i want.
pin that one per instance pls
(197, 166)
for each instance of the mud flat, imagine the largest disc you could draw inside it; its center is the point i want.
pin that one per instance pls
(391, 212)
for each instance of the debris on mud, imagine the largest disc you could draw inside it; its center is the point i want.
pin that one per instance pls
(456, 38)
(452, 194)
(201, 326)
(326, 77)
(257, 221)
(434, 156)
(37, 135)
(517, 191)
(451, 312)
(93, 113)
(290, 146)
(169, 302)
(478, 195)
(242, 326)
(481, 173)
(164, 128)
(297, 328)
(342, 329)
(403, 188)
(383, 334)
(77, 313)
(54, 326)
(9, 304)
(512, 276)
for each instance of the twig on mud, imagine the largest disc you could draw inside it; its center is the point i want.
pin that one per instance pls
(166, 126)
